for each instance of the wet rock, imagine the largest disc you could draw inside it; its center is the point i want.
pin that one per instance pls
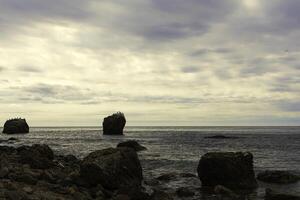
(37, 156)
(113, 168)
(114, 124)
(233, 170)
(273, 195)
(132, 144)
(220, 137)
(220, 189)
(280, 177)
(4, 172)
(185, 192)
(15, 126)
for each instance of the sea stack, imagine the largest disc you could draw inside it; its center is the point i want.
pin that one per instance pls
(114, 124)
(15, 126)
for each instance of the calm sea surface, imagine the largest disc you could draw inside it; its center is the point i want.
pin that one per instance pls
(172, 149)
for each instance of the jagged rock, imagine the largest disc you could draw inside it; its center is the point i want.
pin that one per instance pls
(185, 192)
(220, 137)
(273, 195)
(14, 126)
(113, 168)
(114, 124)
(281, 177)
(132, 144)
(233, 170)
(37, 156)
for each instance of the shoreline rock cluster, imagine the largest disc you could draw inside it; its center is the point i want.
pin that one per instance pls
(35, 172)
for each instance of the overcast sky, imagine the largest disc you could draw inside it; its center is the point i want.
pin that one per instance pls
(161, 62)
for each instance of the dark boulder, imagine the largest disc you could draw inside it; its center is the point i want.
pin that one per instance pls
(37, 156)
(233, 170)
(113, 168)
(280, 177)
(132, 144)
(15, 126)
(273, 195)
(114, 124)
(225, 192)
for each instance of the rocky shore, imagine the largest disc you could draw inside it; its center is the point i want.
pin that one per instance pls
(36, 172)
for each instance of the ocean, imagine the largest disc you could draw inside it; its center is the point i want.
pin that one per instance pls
(178, 149)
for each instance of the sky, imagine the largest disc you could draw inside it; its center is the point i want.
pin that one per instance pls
(161, 62)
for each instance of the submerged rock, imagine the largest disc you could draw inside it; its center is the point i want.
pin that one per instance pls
(273, 195)
(15, 126)
(160, 195)
(114, 124)
(220, 137)
(231, 169)
(132, 144)
(113, 168)
(281, 177)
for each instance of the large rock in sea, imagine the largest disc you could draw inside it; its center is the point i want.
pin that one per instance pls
(277, 176)
(113, 168)
(114, 124)
(231, 169)
(14, 126)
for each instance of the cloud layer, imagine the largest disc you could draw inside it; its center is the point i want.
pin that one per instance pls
(162, 62)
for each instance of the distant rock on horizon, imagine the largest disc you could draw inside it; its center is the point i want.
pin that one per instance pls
(114, 124)
(15, 126)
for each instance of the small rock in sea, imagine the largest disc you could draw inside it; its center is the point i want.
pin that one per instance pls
(167, 177)
(15, 126)
(132, 144)
(220, 189)
(277, 176)
(185, 192)
(220, 137)
(273, 195)
(113, 168)
(114, 124)
(231, 169)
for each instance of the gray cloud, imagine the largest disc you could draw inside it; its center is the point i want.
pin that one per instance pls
(30, 69)
(190, 69)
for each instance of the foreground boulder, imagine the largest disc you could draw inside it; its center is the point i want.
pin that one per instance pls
(114, 124)
(273, 195)
(37, 156)
(14, 126)
(280, 177)
(114, 168)
(132, 144)
(232, 170)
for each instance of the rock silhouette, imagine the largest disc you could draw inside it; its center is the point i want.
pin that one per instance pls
(230, 169)
(113, 167)
(114, 124)
(14, 126)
